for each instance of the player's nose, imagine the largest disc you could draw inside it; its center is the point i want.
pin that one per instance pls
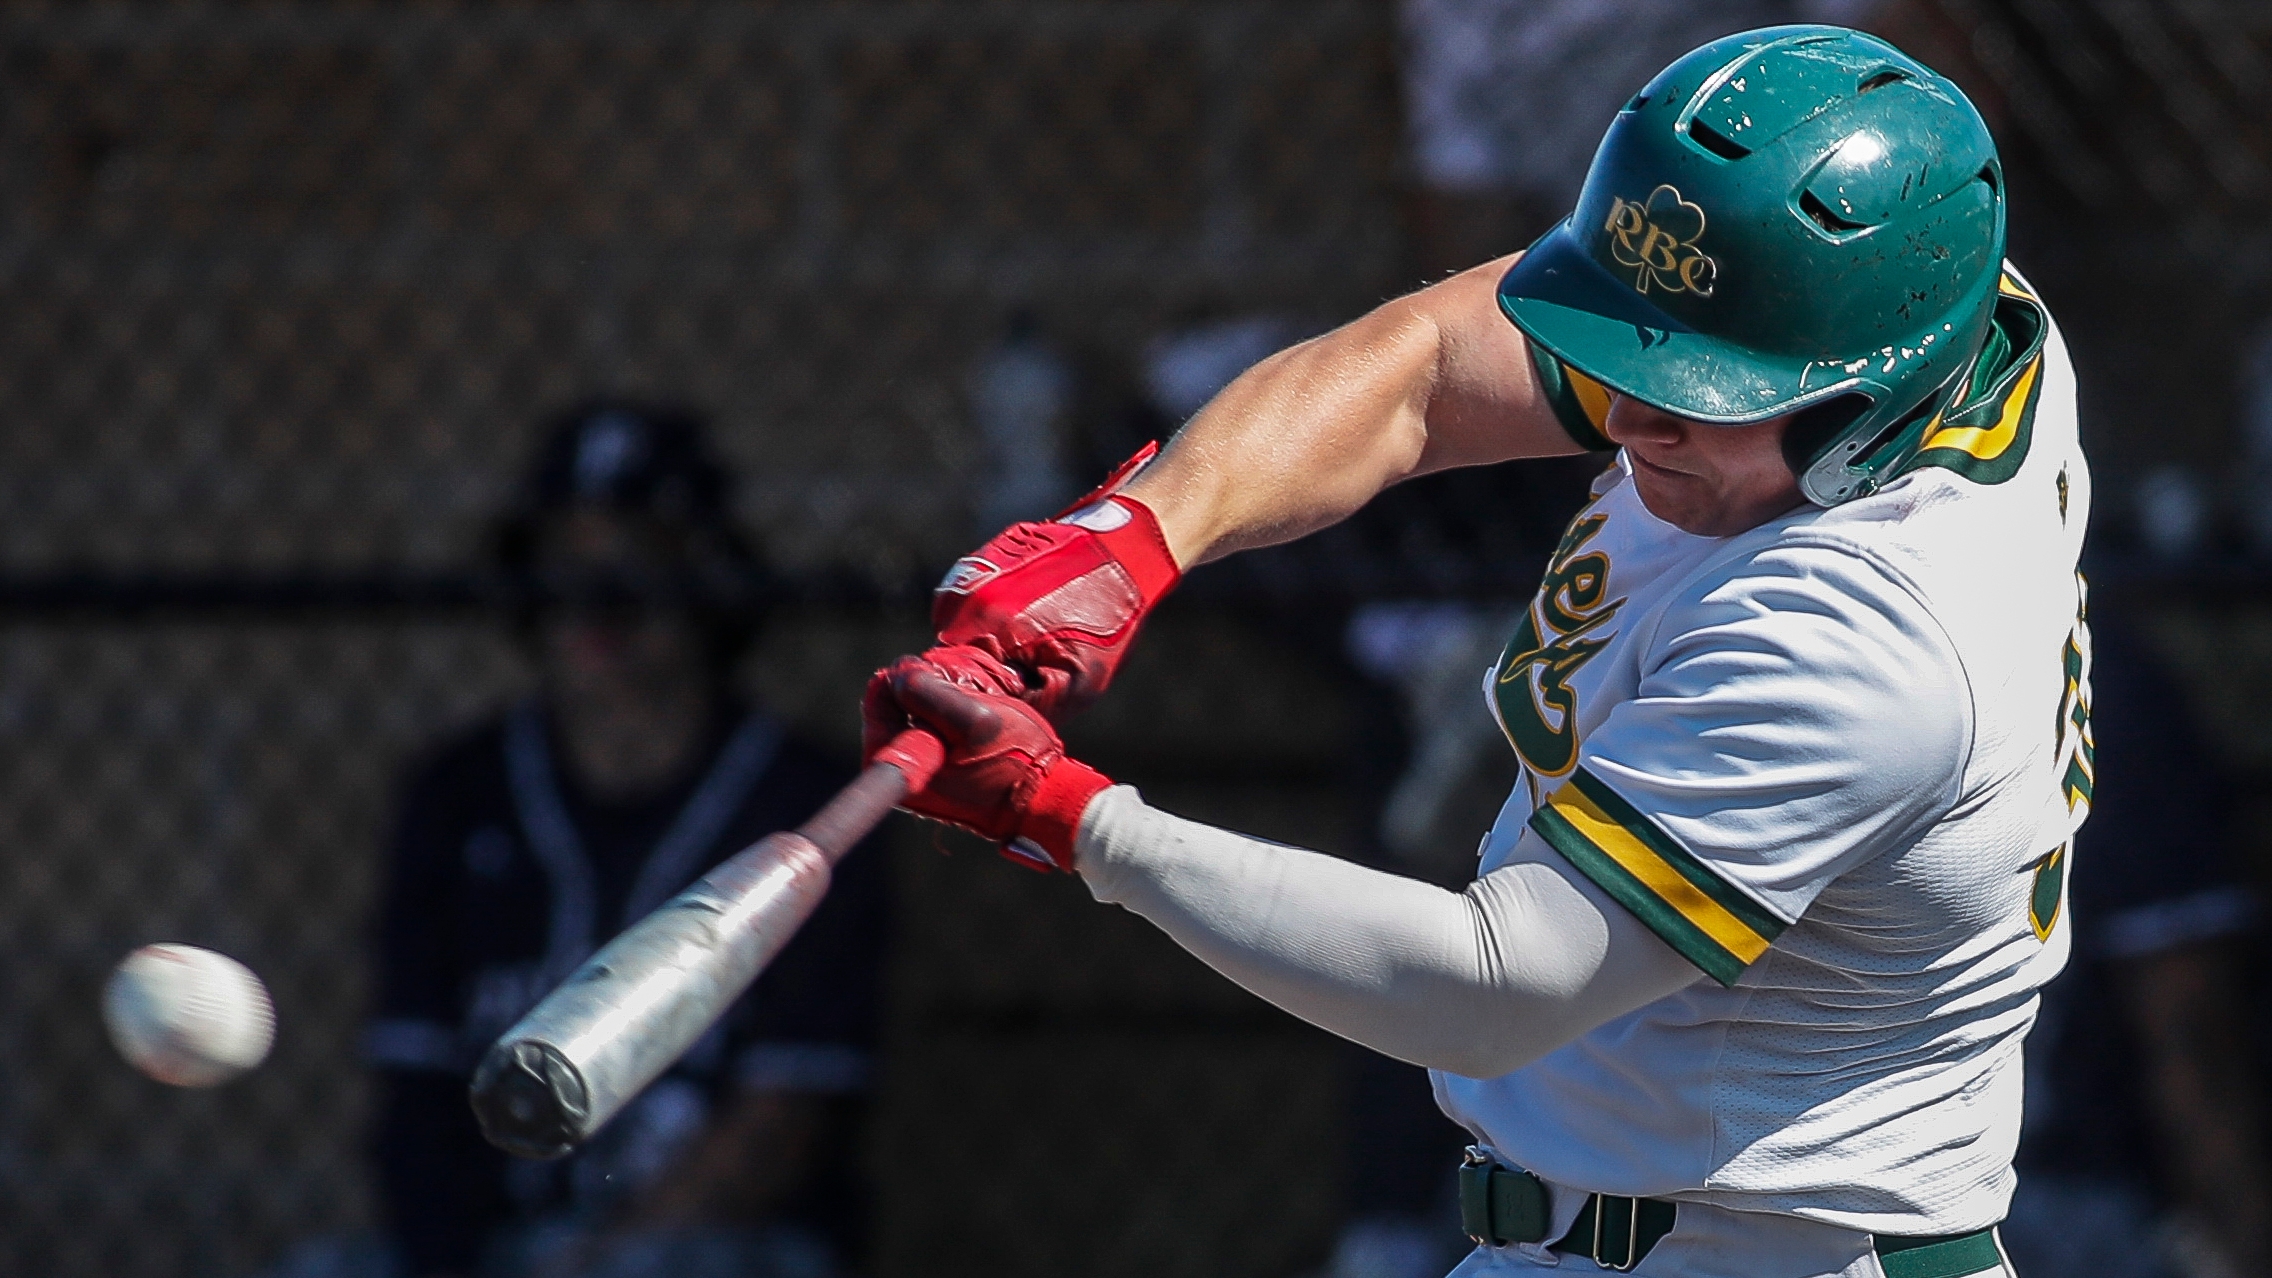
(1632, 422)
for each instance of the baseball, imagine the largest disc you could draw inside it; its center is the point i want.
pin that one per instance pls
(188, 1016)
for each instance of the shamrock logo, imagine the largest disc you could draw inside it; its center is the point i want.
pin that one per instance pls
(1657, 238)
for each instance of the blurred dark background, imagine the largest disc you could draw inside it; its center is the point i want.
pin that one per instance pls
(285, 289)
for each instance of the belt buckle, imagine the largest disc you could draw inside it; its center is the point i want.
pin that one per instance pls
(1475, 1157)
(1632, 1233)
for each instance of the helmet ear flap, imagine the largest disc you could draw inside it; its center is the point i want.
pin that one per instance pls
(1815, 428)
(1846, 447)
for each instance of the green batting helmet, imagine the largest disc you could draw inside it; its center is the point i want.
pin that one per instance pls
(1798, 218)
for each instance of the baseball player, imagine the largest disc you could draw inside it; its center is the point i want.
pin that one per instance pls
(1802, 703)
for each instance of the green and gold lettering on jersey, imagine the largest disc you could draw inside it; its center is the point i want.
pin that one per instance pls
(1719, 929)
(2043, 900)
(1984, 436)
(1559, 633)
(2074, 751)
(1579, 402)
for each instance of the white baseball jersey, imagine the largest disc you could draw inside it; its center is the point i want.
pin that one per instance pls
(1835, 761)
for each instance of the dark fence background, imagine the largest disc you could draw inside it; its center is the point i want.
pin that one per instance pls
(283, 288)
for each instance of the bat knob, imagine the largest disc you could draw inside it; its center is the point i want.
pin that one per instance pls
(531, 1101)
(918, 755)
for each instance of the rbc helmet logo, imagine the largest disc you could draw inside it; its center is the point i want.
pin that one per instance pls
(1656, 239)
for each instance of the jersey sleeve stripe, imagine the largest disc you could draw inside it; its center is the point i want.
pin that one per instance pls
(1579, 402)
(1646, 870)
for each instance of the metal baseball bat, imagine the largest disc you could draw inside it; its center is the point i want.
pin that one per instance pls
(632, 1009)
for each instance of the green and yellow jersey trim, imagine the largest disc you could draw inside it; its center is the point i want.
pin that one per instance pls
(2047, 893)
(1985, 436)
(2079, 780)
(1631, 857)
(1580, 403)
(2081, 777)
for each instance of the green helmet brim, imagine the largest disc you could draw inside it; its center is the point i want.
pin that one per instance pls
(1562, 299)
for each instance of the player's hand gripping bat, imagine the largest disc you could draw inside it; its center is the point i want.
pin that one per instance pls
(632, 1009)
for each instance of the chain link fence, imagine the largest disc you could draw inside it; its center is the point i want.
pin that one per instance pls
(287, 287)
(290, 282)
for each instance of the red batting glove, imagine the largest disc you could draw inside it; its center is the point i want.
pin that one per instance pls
(1006, 778)
(881, 715)
(1061, 600)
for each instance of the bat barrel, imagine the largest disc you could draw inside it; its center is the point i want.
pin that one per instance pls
(637, 1005)
(632, 1009)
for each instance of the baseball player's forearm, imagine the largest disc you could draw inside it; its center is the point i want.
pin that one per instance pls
(1430, 381)
(1476, 983)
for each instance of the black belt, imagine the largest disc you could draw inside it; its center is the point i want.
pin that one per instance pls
(1499, 1206)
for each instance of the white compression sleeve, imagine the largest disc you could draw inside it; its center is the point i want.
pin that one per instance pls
(1476, 983)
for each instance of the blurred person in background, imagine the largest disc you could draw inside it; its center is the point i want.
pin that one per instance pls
(526, 843)
(2141, 1146)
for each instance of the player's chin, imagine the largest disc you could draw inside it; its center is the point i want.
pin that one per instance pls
(1678, 498)
(1699, 508)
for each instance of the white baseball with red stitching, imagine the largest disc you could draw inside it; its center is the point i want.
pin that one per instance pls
(187, 1016)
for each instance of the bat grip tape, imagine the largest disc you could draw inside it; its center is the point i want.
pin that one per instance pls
(903, 765)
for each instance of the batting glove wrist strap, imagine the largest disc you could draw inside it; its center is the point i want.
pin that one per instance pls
(1051, 815)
